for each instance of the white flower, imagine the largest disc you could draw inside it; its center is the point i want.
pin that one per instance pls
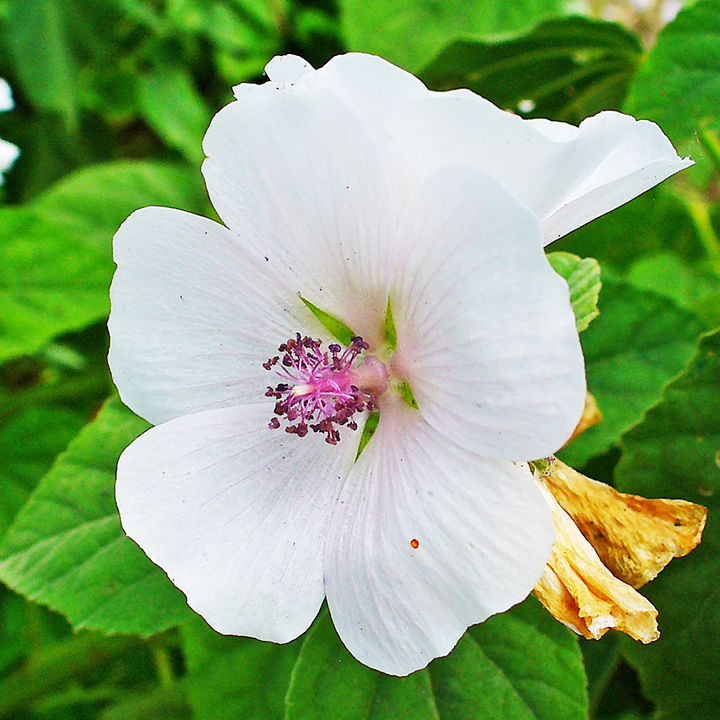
(8, 151)
(355, 189)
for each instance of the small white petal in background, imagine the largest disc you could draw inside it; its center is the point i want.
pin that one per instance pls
(8, 151)
(6, 101)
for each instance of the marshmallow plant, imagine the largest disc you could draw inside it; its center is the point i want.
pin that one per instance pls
(348, 376)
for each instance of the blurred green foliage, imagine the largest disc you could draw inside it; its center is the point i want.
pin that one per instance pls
(112, 100)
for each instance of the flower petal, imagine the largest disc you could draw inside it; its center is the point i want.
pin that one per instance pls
(297, 172)
(566, 175)
(287, 69)
(427, 540)
(373, 87)
(551, 168)
(237, 515)
(194, 315)
(643, 158)
(486, 333)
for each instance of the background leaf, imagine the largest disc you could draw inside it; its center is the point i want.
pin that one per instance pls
(679, 85)
(521, 665)
(675, 452)
(66, 548)
(173, 107)
(57, 256)
(28, 447)
(426, 26)
(639, 342)
(234, 677)
(565, 68)
(39, 41)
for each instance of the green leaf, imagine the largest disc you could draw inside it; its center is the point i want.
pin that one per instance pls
(38, 38)
(679, 85)
(71, 661)
(28, 447)
(639, 342)
(328, 682)
(232, 678)
(426, 26)
(675, 452)
(565, 68)
(159, 703)
(654, 222)
(521, 665)
(690, 286)
(338, 329)
(601, 661)
(66, 548)
(57, 253)
(583, 278)
(172, 106)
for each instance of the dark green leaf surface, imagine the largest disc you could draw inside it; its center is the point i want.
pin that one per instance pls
(583, 278)
(521, 665)
(567, 68)
(57, 253)
(232, 678)
(28, 446)
(675, 452)
(426, 26)
(40, 44)
(172, 106)
(679, 85)
(328, 682)
(66, 548)
(639, 342)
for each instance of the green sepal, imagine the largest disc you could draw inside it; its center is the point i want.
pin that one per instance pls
(390, 332)
(338, 329)
(368, 431)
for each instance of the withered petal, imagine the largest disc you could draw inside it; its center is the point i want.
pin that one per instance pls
(635, 537)
(583, 594)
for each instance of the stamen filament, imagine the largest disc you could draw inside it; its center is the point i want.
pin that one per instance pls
(324, 390)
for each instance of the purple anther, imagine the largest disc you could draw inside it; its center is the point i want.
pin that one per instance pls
(323, 389)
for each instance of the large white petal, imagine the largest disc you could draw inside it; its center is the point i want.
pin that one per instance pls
(194, 315)
(566, 175)
(546, 166)
(373, 87)
(483, 535)
(237, 515)
(486, 333)
(643, 158)
(296, 170)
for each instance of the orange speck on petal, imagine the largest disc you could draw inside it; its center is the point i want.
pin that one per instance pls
(414, 544)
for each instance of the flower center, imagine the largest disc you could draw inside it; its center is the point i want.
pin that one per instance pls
(322, 390)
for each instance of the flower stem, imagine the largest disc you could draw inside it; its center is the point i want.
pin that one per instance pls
(699, 210)
(50, 667)
(163, 663)
(711, 145)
